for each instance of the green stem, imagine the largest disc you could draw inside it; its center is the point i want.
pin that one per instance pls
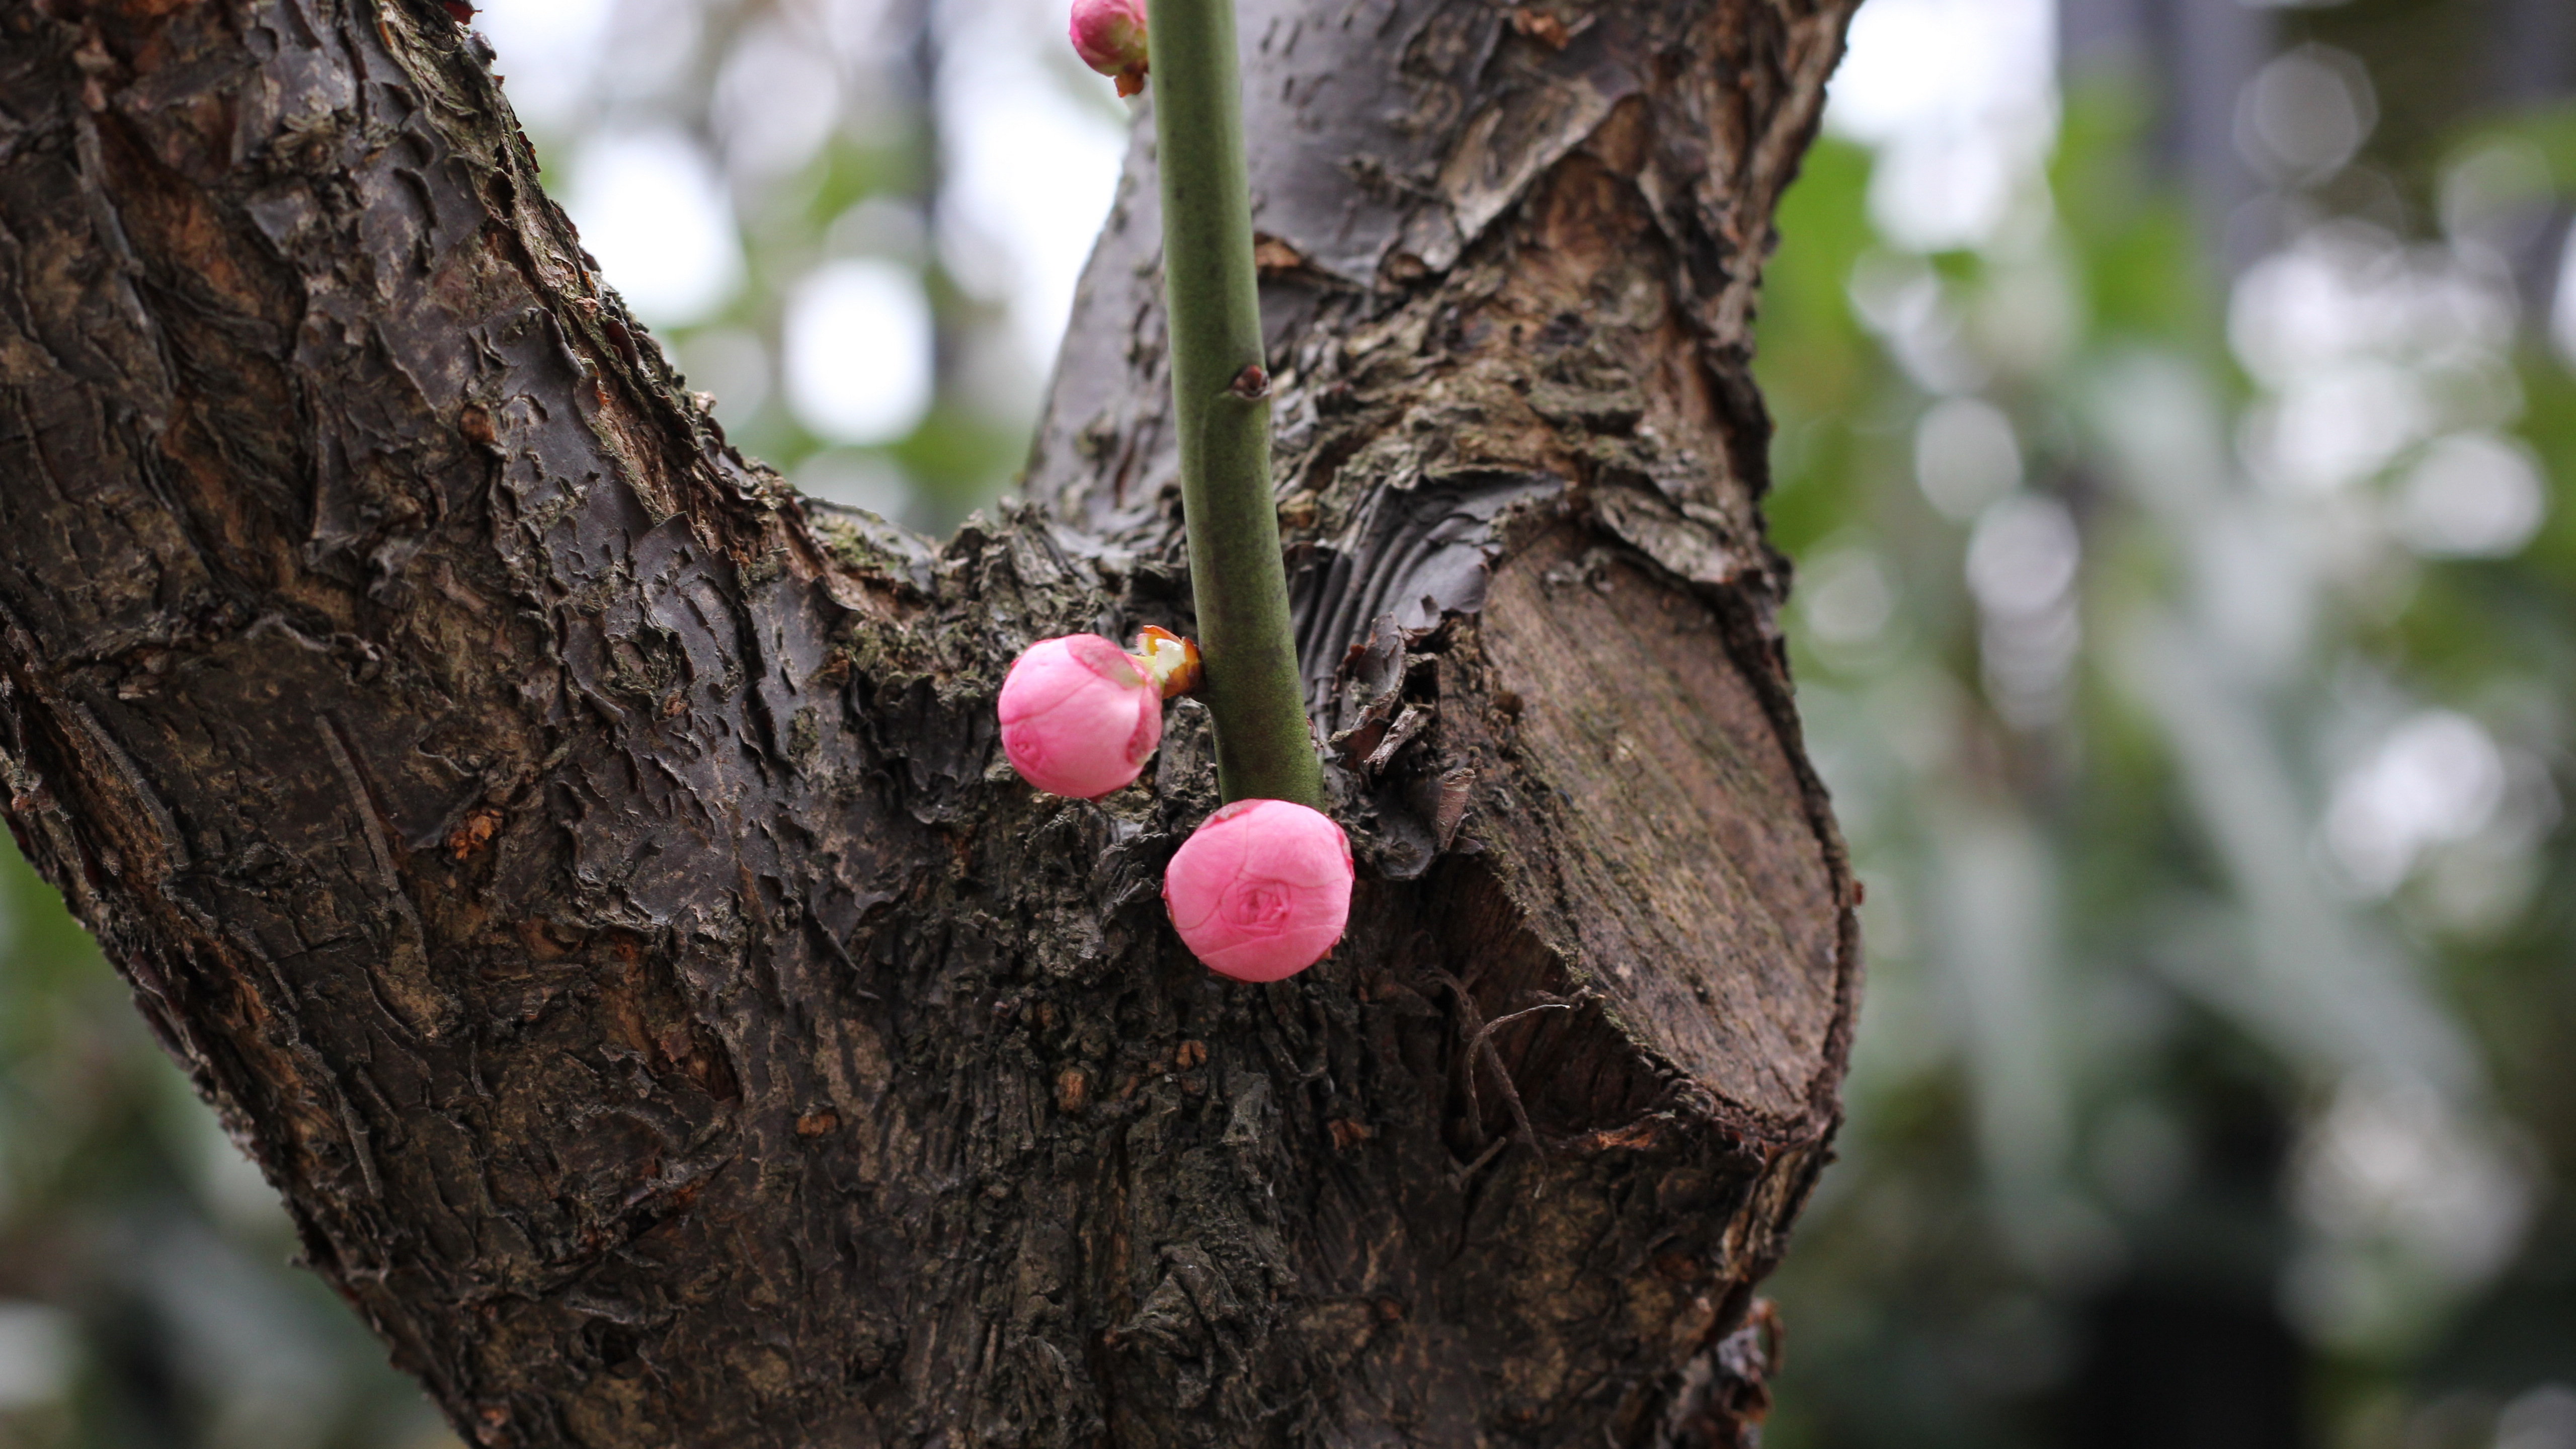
(1220, 394)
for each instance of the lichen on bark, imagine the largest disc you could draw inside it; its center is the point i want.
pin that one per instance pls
(583, 875)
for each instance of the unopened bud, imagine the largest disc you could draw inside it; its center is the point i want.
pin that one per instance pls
(1261, 890)
(1109, 35)
(1079, 717)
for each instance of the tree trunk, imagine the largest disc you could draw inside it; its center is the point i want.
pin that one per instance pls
(581, 873)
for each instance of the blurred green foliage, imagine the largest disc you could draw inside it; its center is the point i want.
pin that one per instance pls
(2164, 1128)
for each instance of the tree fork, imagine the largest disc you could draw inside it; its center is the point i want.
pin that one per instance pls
(580, 873)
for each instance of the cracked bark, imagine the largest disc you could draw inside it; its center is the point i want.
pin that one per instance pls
(581, 873)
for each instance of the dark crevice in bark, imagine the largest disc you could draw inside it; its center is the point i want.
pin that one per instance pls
(581, 872)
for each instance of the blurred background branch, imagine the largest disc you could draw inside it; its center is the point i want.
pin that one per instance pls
(2177, 420)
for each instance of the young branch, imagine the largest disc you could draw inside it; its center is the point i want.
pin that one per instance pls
(1221, 402)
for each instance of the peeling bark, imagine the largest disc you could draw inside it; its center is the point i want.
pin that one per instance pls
(581, 873)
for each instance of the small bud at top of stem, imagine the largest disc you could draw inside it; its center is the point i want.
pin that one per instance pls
(1109, 35)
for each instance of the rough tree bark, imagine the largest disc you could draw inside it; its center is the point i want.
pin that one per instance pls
(582, 875)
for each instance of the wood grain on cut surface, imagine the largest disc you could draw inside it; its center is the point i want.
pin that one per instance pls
(1713, 907)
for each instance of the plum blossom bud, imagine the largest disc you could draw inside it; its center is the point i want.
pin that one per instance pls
(1261, 890)
(1109, 35)
(1079, 717)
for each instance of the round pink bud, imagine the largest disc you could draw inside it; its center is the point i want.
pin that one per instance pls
(1078, 716)
(1261, 889)
(1109, 35)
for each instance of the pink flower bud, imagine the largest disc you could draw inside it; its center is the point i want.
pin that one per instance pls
(1078, 716)
(1109, 35)
(1261, 890)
